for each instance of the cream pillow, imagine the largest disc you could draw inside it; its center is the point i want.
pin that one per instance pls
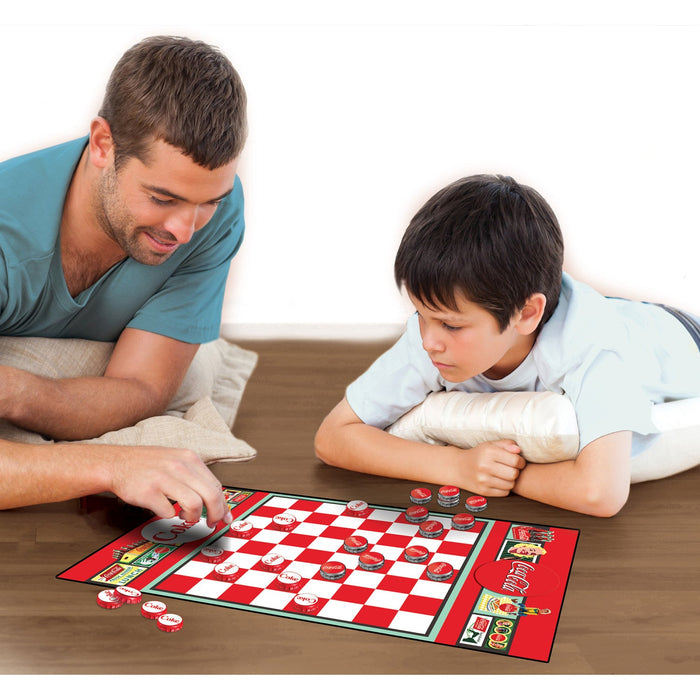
(200, 416)
(544, 426)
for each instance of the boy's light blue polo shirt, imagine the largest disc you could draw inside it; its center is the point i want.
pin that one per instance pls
(182, 298)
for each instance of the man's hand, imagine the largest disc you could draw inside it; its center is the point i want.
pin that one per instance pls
(153, 478)
(149, 477)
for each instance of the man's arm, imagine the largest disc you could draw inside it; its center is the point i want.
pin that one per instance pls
(143, 374)
(149, 477)
(596, 483)
(343, 440)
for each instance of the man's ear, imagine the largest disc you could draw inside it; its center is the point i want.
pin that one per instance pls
(531, 313)
(101, 145)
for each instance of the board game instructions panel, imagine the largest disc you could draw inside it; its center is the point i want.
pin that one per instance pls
(487, 585)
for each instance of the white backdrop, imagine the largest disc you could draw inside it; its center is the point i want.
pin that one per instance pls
(358, 115)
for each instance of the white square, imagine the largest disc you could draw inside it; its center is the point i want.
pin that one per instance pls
(431, 545)
(348, 521)
(287, 551)
(431, 589)
(256, 579)
(388, 600)
(390, 553)
(232, 544)
(258, 522)
(340, 610)
(300, 515)
(364, 579)
(411, 622)
(270, 535)
(281, 502)
(311, 529)
(196, 569)
(272, 598)
(208, 588)
(326, 544)
(331, 508)
(406, 569)
(387, 516)
(463, 536)
(303, 568)
(322, 589)
(244, 561)
(404, 529)
(372, 536)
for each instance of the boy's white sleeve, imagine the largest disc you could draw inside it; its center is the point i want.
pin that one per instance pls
(397, 381)
(610, 399)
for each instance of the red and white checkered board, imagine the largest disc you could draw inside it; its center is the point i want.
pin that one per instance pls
(398, 597)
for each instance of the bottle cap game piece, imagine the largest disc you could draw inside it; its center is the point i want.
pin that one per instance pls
(421, 495)
(226, 572)
(431, 528)
(306, 602)
(355, 544)
(153, 609)
(333, 570)
(213, 554)
(130, 596)
(358, 508)
(476, 504)
(169, 622)
(439, 571)
(463, 521)
(241, 528)
(417, 514)
(371, 561)
(109, 599)
(416, 553)
(448, 492)
(273, 562)
(289, 581)
(284, 521)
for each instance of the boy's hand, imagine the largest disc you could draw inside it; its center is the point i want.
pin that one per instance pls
(490, 469)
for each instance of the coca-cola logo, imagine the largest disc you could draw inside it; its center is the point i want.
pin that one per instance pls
(176, 531)
(517, 578)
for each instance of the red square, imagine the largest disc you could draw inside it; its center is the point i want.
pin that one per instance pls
(315, 556)
(353, 594)
(237, 593)
(419, 604)
(397, 584)
(377, 617)
(321, 518)
(177, 583)
(394, 541)
(305, 505)
(373, 525)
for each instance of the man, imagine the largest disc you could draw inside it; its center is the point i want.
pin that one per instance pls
(125, 236)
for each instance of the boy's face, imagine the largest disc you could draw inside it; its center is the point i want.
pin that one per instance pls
(465, 343)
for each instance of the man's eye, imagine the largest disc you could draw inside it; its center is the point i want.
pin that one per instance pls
(161, 202)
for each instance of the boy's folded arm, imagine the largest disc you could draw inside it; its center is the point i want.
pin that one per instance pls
(343, 440)
(595, 483)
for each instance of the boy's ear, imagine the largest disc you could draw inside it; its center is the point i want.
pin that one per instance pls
(531, 313)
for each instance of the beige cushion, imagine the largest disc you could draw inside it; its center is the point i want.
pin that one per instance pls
(200, 416)
(544, 426)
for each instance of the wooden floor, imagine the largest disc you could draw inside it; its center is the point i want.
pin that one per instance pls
(632, 605)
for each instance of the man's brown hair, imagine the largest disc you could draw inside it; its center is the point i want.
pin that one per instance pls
(182, 91)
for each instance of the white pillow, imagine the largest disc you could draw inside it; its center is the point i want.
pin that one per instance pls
(544, 426)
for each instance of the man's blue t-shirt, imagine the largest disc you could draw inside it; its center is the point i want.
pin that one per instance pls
(181, 298)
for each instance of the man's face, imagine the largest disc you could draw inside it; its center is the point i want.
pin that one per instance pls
(151, 208)
(465, 343)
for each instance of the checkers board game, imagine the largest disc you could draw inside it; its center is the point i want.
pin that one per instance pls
(496, 586)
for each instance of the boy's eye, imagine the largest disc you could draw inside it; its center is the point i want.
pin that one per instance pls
(450, 328)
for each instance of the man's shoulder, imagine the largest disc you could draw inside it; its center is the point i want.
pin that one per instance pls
(40, 161)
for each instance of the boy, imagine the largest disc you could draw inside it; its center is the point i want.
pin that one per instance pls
(482, 264)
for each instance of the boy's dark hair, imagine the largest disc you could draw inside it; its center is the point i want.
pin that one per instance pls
(184, 92)
(487, 237)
